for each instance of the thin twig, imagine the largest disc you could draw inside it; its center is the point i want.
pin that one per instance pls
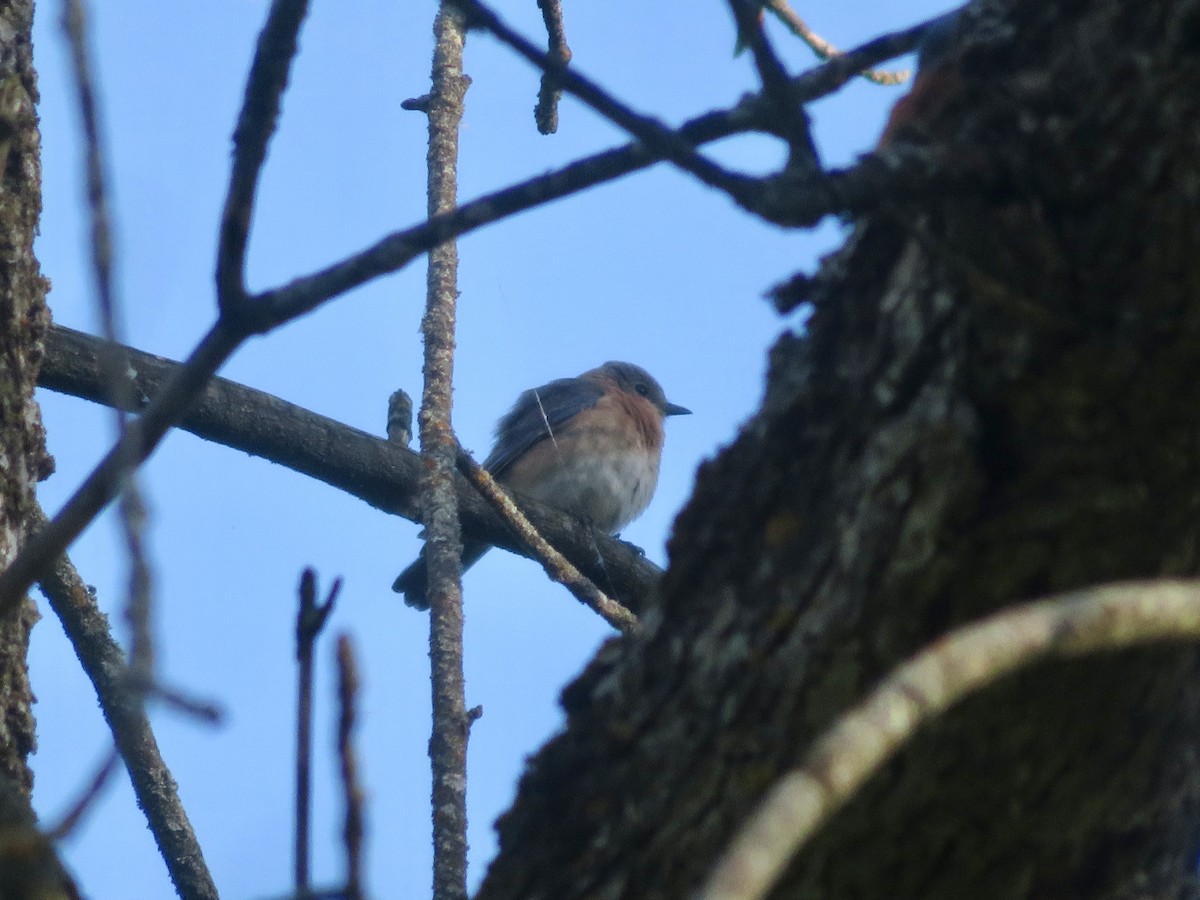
(73, 816)
(277, 47)
(87, 629)
(792, 121)
(141, 685)
(205, 711)
(968, 659)
(416, 104)
(310, 619)
(139, 606)
(74, 25)
(545, 114)
(439, 448)
(794, 198)
(132, 509)
(556, 565)
(854, 190)
(646, 129)
(822, 48)
(352, 793)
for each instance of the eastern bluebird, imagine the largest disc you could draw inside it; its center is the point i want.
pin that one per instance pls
(588, 445)
(936, 82)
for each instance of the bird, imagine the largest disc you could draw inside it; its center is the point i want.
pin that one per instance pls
(937, 84)
(588, 445)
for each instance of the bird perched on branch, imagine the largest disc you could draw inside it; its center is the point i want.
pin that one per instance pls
(937, 82)
(589, 445)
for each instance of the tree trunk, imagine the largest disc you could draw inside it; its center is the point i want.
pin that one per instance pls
(997, 398)
(23, 321)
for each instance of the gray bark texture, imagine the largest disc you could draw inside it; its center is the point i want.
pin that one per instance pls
(996, 399)
(23, 321)
(28, 865)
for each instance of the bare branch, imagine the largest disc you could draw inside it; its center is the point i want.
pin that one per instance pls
(72, 817)
(822, 47)
(74, 25)
(555, 564)
(793, 125)
(968, 659)
(658, 137)
(131, 507)
(88, 631)
(180, 701)
(439, 449)
(546, 111)
(256, 123)
(416, 104)
(352, 793)
(310, 619)
(797, 197)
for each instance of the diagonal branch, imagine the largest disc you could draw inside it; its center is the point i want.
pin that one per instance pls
(1113, 617)
(799, 197)
(102, 659)
(556, 565)
(277, 47)
(821, 47)
(71, 819)
(649, 131)
(106, 480)
(793, 124)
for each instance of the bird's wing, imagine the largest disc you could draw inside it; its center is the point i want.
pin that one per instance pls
(538, 414)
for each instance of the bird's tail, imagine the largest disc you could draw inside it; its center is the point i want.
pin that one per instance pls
(413, 582)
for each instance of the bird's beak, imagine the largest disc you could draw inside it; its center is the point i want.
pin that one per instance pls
(674, 409)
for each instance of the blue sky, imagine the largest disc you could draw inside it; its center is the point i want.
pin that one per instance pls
(655, 269)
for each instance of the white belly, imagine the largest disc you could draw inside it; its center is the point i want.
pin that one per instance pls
(609, 491)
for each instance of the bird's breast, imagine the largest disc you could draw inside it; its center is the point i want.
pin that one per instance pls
(608, 488)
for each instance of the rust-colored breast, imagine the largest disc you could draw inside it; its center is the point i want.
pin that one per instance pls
(646, 420)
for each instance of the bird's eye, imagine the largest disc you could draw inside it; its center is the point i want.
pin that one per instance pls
(641, 389)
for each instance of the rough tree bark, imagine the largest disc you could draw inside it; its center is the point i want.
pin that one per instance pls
(28, 866)
(996, 399)
(23, 321)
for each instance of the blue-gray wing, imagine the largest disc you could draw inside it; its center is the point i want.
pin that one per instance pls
(536, 415)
